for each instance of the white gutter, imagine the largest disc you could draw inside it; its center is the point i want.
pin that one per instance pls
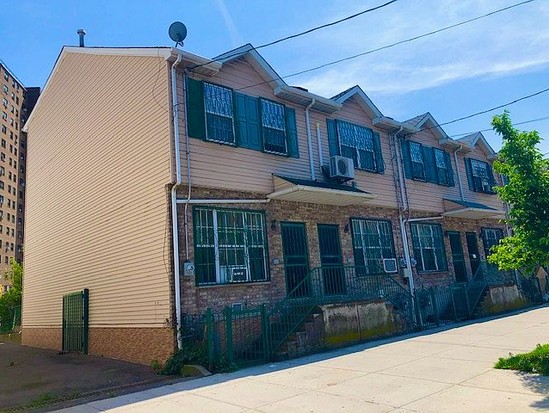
(319, 142)
(401, 181)
(223, 201)
(189, 183)
(457, 171)
(402, 223)
(309, 139)
(175, 232)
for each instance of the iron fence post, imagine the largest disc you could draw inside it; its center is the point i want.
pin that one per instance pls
(435, 307)
(466, 290)
(453, 303)
(229, 334)
(85, 319)
(209, 338)
(265, 332)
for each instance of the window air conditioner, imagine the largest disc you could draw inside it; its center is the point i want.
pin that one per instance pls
(390, 265)
(341, 167)
(238, 274)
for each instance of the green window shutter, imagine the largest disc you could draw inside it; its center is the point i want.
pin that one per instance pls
(332, 137)
(247, 122)
(429, 164)
(407, 160)
(196, 117)
(449, 169)
(380, 165)
(469, 173)
(491, 178)
(291, 133)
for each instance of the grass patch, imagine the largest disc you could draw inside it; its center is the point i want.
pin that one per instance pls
(536, 361)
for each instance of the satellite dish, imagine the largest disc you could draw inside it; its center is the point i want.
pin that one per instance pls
(177, 32)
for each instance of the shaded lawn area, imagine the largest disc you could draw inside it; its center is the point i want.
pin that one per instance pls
(32, 377)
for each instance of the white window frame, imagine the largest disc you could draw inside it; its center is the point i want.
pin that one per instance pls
(249, 218)
(265, 124)
(208, 109)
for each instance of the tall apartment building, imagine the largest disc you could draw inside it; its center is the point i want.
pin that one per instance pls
(17, 103)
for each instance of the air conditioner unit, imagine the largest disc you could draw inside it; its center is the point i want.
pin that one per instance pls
(341, 167)
(390, 265)
(238, 274)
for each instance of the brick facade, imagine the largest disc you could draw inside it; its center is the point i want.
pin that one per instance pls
(137, 345)
(197, 299)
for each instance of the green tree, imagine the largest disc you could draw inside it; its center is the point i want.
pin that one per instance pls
(527, 191)
(12, 298)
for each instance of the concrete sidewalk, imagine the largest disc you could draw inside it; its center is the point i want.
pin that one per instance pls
(437, 371)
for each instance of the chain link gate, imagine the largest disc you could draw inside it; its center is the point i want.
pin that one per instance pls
(75, 321)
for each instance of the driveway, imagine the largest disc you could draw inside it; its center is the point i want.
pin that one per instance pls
(38, 378)
(444, 370)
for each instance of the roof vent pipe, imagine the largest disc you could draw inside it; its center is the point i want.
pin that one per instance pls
(81, 33)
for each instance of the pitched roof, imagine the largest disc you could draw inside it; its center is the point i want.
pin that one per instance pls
(478, 138)
(280, 87)
(363, 100)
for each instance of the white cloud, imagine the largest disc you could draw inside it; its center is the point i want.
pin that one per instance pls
(236, 38)
(510, 42)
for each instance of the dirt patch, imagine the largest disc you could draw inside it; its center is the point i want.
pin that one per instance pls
(32, 379)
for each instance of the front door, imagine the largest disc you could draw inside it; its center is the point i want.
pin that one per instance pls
(472, 250)
(457, 256)
(296, 258)
(330, 256)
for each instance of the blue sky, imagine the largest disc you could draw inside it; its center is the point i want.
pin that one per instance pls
(452, 74)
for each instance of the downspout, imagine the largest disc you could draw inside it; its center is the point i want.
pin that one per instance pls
(402, 223)
(175, 232)
(319, 143)
(309, 139)
(457, 172)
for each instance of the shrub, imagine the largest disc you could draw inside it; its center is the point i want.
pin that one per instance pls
(536, 361)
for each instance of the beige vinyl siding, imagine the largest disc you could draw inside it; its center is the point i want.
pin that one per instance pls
(216, 165)
(97, 206)
(491, 200)
(426, 196)
(381, 185)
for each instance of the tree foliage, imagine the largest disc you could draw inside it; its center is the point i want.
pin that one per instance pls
(12, 298)
(527, 192)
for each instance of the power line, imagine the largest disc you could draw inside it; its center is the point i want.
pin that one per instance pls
(495, 107)
(491, 129)
(472, 115)
(293, 36)
(325, 25)
(411, 39)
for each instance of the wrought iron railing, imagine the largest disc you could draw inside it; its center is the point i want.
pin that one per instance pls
(334, 284)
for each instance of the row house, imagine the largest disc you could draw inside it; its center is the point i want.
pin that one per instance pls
(166, 183)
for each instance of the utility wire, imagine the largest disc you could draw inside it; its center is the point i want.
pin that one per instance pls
(293, 36)
(496, 107)
(411, 39)
(491, 129)
(472, 115)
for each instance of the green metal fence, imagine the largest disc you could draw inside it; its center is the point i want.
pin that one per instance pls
(75, 321)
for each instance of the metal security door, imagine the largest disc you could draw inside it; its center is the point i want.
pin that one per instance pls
(333, 275)
(457, 256)
(296, 258)
(472, 250)
(75, 321)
